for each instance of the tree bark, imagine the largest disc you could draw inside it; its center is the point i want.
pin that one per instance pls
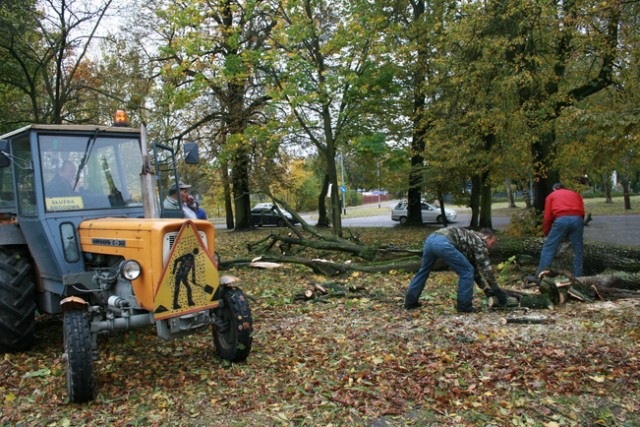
(598, 257)
(510, 199)
(606, 184)
(323, 218)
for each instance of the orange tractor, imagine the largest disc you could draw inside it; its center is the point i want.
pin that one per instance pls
(83, 233)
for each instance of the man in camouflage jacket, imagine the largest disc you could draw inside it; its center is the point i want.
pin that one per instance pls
(467, 253)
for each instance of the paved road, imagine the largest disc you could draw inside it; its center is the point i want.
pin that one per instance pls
(620, 229)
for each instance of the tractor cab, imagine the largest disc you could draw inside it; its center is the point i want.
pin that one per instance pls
(81, 170)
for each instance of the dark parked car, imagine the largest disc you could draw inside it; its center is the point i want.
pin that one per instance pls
(266, 214)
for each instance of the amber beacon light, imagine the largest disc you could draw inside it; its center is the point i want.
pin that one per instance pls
(120, 118)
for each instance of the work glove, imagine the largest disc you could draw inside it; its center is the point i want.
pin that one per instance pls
(501, 296)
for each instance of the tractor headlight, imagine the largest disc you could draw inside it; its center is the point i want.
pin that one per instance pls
(130, 269)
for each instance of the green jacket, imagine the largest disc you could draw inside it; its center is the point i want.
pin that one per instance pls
(474, 247)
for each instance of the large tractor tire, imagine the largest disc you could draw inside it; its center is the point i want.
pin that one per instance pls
(78, 356)
(17, 299)
(233, 340)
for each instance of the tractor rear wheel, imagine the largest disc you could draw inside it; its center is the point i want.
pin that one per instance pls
(17, 299)
(78, 356)
(233, 340)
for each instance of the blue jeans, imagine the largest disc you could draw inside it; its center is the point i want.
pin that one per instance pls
(563, 227)
(437, 246)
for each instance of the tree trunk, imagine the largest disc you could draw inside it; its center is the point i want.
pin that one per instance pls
(323, 218)
(476, 184)
(419, 129)
(606, 184)
(598, 257)
(445, 221)
(485, 202)
(336, 209)
(528, 194)
(510, 199)
(241, 189)
(626, 192)
(226, 188)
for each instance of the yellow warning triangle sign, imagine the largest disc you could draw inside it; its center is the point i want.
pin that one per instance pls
(190, 278)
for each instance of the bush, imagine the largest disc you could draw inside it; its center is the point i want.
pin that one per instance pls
(525, 223)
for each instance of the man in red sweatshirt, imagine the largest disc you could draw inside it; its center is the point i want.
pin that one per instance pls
(563, 217)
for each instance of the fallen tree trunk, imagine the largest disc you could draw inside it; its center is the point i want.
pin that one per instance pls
(299, 249)
(598, 257)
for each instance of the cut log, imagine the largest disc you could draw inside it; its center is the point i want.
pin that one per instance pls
(557, 288)
(540, 320)
(598, 257)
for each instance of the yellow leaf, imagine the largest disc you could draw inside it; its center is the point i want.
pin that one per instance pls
(551, 424)
(598, 378)
(10, 397)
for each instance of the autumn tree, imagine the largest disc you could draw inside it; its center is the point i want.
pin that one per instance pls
(572, 59)
(471, 137)
(46, 45)
(326, 74)
(415, 26)
(211, 55)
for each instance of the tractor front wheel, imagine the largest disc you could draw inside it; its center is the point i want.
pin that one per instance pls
(17, 299)
(78, 356)
(233, 338)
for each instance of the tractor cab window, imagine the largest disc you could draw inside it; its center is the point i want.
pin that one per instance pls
(96, 172)
(7, 198)
(23, 167)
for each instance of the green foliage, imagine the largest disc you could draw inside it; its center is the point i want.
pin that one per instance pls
(525, 223)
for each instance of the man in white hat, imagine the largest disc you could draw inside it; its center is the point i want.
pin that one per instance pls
(172, 202)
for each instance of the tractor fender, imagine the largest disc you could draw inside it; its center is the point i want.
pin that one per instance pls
(73, 303)
(10, 234)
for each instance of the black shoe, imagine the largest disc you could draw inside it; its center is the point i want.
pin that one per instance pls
(470, 310)
(532, 279)
(412, 306)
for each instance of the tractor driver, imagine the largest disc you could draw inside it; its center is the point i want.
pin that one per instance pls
(61, 185)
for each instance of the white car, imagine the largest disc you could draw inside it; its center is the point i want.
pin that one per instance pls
(430, 213)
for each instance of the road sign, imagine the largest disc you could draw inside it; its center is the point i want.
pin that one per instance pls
(343, 189)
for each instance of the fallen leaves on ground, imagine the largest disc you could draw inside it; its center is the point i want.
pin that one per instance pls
(356, 360)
